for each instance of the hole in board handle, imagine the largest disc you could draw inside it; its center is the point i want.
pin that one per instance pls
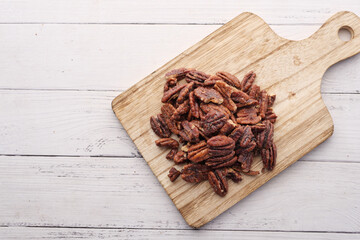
(346, 33)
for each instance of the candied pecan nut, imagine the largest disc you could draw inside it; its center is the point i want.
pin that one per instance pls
(271, 100)
(247, 116)
(254, 92)
(167, 111)
(237, 133)
(212, 106)
(196, 76)
(173, 174)
(198, 152)
(248, 80)
(235, 176)
(246, 159)
(159, 126)
(167, 142)
(194, 173)
(252, 173)
(172, 93)
(216, 163)
(190, 132)
(220, 146)
(229, 79)
(247, 139)
(194, 106)
(207, 95)
(184, 93)
(225, 91)
(268, 156)
(213, 122)
(270, 115)
(217, 180)
(241, 99)
(181, 110)
(180, 157)
(221, 142)
(171, 154)
(222, 158)
(211, 80)
(170, 83)
(265, 138)
(228, 127)
(263, 103)
(178, 74)
(257, 127)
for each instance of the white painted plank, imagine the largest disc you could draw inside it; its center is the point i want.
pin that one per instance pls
(61, 123)
(114, 57)
(13, 233)
(82, 123)
(123, 193)
(164, 11)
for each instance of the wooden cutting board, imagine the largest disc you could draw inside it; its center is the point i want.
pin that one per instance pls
(290, 69)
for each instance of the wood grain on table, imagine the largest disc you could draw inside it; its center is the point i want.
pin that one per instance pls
(68, 169)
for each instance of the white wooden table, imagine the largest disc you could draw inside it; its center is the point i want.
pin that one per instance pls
(69, 170)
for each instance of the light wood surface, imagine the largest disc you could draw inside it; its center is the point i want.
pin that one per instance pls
(290, 69)
(81, 177)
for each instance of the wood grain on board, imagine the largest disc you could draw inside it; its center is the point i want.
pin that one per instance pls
(290, 69)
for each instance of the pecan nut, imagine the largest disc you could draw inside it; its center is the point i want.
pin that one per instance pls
(217, 180)
(167, 111)
(247, 140)
(265, 138)
(207, 95)
(268, 156)
(194, 173)
(181, 110)
(198, 152)
(248, 80)
(171, 154)
(241, 99)
(197, 77)
(213, 122)
(178, 74)
(234, 175)
(246, 159)
(159, 126)
(194, 106)
(180, 157)
(228, 127)
(167, 142)
(229, 79)
(248, 116)
(225, 91)
(190, 132)
(172, 93)
(173, 174)
(184, 93)
(270, 115)
(211, 80)
(264, 100)
(254, 92)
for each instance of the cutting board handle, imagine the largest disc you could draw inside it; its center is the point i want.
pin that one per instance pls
(326, 41)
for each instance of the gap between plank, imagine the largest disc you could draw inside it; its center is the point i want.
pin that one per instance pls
(172, 229)
(120, 90)
(146, 23)
(140, 157)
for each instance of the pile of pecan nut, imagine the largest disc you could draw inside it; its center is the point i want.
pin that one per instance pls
(221, 123)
